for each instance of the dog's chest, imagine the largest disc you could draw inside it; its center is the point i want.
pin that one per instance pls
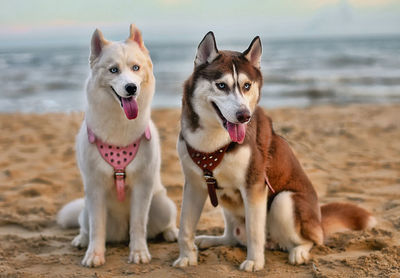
(231, 172)
(231, 177)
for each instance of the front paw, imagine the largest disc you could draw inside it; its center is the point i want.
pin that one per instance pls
(251, 265)
(93, 258)
(140, 256)
(187, 259)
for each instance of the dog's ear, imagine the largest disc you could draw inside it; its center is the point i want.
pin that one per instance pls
(207, 50)
(136, 36)
(253, 53)
(98, 42)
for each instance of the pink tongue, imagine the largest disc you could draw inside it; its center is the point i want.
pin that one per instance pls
(130, 107)
(237, 132)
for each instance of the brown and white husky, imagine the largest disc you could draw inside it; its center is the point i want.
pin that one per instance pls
(227, 146)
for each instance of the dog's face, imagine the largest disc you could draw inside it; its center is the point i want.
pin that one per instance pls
(227, 86)
(120, 70)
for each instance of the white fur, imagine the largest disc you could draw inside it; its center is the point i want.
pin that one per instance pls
(68, 216)
(146, 211)
(281, 227)
(256, 213)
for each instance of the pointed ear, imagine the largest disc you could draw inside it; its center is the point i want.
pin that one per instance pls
(207, 50)
(98, 42)
(253, 53)
(135, 36)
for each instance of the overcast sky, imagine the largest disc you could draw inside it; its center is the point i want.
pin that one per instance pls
(186, 18)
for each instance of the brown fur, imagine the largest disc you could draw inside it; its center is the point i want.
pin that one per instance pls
(232, 202)
(341, 216)
(271, 155)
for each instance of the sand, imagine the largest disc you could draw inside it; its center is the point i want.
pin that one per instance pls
(350, 153)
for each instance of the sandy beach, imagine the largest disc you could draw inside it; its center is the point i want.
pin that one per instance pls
(351, 154)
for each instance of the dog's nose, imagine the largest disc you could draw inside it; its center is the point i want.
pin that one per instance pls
(243, 115)
(131, 89)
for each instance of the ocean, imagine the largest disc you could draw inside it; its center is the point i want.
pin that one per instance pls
(297, 72)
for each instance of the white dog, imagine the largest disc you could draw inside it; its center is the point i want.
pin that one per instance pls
(118, 155)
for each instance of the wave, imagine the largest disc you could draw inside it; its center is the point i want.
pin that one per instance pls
(295, 73)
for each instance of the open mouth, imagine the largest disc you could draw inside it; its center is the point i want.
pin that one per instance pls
(117, 95)
(129, 105)
(219, 113)
(237, 131)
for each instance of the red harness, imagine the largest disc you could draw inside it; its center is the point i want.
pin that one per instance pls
(118, 157)
(208, 162)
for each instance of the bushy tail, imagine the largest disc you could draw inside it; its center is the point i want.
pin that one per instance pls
(338, 217)
(68, 216)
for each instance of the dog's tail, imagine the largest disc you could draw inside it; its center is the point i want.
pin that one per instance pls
(338, 217)
(68, 216)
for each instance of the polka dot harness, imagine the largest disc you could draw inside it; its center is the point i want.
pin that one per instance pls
(118, 157)
(208, 162)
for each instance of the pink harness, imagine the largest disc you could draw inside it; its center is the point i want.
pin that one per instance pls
(118, 157)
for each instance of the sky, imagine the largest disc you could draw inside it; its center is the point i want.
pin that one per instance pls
(184, 19)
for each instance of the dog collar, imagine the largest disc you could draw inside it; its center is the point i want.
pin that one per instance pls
(118, 157)
(208, 162)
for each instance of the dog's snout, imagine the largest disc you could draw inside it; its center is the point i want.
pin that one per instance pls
(243, 115)
(131, 89)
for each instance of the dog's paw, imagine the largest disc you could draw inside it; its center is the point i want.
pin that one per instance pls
(171, 234)
(80, 241)
(186, 260)
(93, 258)
(141, 256)
(207, 241)
(250, 265)
(299, 255)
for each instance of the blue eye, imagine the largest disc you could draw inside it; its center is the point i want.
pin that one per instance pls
(135, 68)
(221, 85)
(247, 86)
(113, 70)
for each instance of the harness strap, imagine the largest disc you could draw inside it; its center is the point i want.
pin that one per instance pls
(208, 162)
(269, 184)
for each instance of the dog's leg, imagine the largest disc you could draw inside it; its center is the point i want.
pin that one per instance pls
(140, 205)
(194, 197)
(283, 229)
(255, 201)
(96, 209)
(82, 240)
(162, 217)
(226, 239)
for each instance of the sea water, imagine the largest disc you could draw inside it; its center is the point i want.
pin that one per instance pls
(297, 72)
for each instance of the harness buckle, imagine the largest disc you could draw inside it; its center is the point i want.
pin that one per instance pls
(119, 174)
(210, 179)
